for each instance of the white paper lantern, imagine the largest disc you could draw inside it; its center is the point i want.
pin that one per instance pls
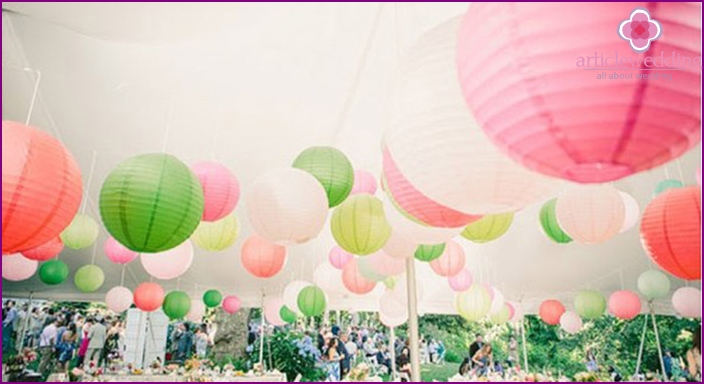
(291, 293)
(590, 214)
(570, 322)
(328, 278)
(197, 311)
(169, 264)
(272, 310)
(17, 267)
(631, 211)
(653, 284)
(497, 303)
(118, 299)
(687, 301)
(403, 228)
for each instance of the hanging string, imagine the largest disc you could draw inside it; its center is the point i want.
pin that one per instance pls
(679, 170)
(122, 278)
(667, 173)
(620, 276)
(169, 118)
(86, 191)
(95, 252)
(178, 284)
(35, 92)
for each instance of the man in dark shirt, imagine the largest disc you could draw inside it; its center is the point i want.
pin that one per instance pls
(475, 347)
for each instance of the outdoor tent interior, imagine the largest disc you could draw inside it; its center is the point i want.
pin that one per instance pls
(252, 85)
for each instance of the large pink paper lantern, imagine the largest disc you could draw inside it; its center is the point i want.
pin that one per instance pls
(386, 265)
(272, 307)
(451, 261)
(364, 182)
(550, 311)
(148, 296)
(339, 257)
(221, 190)
(624, 304)
(522, 71)
(461, 281)
(118, 253)
(197, 311)
(46, 251)
(354, 281)
(262, 258)
(590, 214)
(119, 299)
(687, 302)
(570, 322)
(169, 264)
(17, 267)
(231, 304)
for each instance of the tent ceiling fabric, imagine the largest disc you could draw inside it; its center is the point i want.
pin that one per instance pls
(252, 87)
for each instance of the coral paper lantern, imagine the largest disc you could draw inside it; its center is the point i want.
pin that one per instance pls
(231, 304)
(262, 258)
(291, 292)
(81, 233)
(169, 264)
(17, 267)
(212, 298)
(551, 228)
(46, 251)
(53, 272)
(570, 322)
(474, 303)
(364, 182)
(118, 253)
(550, 311)
(332, 169)
(429, 252)
(89, 278)
(221, 190)
(151, 203)
(118, 299)
(687, 302)
(488, 228)
(311, 301)
(41, 187)
(461, 281)
(558, 119)
(217, 235)
(631, 211)
(671, 229)
(624, 304)
(354, 281)
(590, 304)
(197, 311)
(272, 309)
(339, 257)
(359, 225)
(176, 305)
(590, 214)
(653, 284)
(148, 296)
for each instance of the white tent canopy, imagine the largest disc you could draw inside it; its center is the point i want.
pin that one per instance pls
(252, 85)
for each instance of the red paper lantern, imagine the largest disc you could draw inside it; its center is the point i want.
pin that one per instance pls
(670, 230)
(41, 187)
(262, 258)
(148, 296)
(46, 251)
(354, 281)
(551, 311)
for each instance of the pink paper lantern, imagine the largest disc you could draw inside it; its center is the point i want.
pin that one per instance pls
(511, 310)
(221, 190)
(148, 296)
(537, 102)
(262, 258)
(386, 265)
(590, 214)
(450, 262)
(354, 281)
(339, 257)
(687, 302)
(45, 251)
(169, 264)
(16, 267)
(231, 304)
(364, 182)
(118, 253)
(624, 304)
(272, 308)
(461, 281)
(570, 322)
(118, 299)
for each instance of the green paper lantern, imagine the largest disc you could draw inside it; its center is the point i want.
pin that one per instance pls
(332, 169)
(590, 304)
(89, 278)
(428, 253)
(654, 284)
(311, 301)
(81, 233)
(667, 184)
(502, 316)
(488, 228)
(217, 235)
(359, 225)
(551, 228)
(474, 303)
(287, 315)
(151, 203)
(53, 272)
(176, 305)
(212, 298)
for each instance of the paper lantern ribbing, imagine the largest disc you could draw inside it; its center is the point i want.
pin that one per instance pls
(501, 316)
(666, 185)
(118, 299)
(46, 251)
(570, 322)
(169, 264)
(590, 214)
(81, 233)
(653, 284)
(287, 206)
(687, 302)
(176, 305)
(221, 190)
(451, 261)
(212, 298)
(590, 304)
(461, 281)
(542, 124)
(231, 304)
(197, 311)
(474, 303)
(429, 252)
(148, 296)
(670, 230)
(339, 257)
(262, 258)
(624, 304)
(354, 281)
(550, 311)
(217, 235)
(411, 231)
(151, 203)
(332, 169)
(89, 278)
(17, 267)
(488, 228)
(551, 228)
(311, 301)
(41, 187)
(287, 315)
(118, 253)
(53, 272)
(272, 309)
(364, 182)
(631, 211)
(291, 292)
(359, 225)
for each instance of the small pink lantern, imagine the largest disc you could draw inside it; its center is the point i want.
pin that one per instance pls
(272, 309)
(461, 281)
(687, 301)
(511, 310)
(386, 265)
(570, 322)
(118, 253)
(364, 182)
(221, 190)
(451, 261)
(262, 258)
(169, 264)
(119, 299)
(354, 281)
(16, 267)
(45, 251)
(624, 304)
(339, 257)
(231, 304)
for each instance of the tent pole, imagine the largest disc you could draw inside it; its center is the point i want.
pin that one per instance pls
(657, 340)
(392, 351)
(413, 338)
(642, 344)
(338, 318)
(525, 349)
(261, 338)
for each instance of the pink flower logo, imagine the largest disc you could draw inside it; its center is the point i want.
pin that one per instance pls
(640, 30)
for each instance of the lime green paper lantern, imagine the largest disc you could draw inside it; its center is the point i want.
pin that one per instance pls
(151, 203)
(212, 298)
(176, 305)
(89, 278)
(311, 301)
(287, 315)
(474, 303)
(53, 272)
(590, 304)
(81, 233)
(217, 235)
(428, 253)
(667, 184)
(551, 228)
(502, 316)
(332, 169)
(359, 225)
(488, 228)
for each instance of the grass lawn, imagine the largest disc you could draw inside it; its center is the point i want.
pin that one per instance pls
(430, 372)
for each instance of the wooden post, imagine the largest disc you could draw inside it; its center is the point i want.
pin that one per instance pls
(413, 319)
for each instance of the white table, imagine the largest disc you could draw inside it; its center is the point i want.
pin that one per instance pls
(174, 378)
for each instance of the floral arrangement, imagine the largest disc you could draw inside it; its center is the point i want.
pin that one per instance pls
(75, 375)
(586, 377)
(171, 368)
(359, 373)
(28, 355)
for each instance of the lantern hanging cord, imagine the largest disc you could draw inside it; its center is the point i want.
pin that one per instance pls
(35, 92)
(93, 157)
(620, 276)
(679, 170)
(122, 277)
(667, 173)
(95, 252)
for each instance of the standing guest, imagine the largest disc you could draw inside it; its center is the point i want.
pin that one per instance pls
(67, 345)
(345, 361)
(694, 356)
(36, 324)
(333, 360)
(383, 358)
(97, 335)
(8, 321)
(112, 342)
(20, 325)
(85, 340)
(667, 362)
(403, 363)
(350, 345)
(513, 353)
(483, 360)
(591, 364)
(336, 330)
(370, 348)
(47, 343)
(185, 343)
(433, 350)
(201, 342)
(474, 348)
